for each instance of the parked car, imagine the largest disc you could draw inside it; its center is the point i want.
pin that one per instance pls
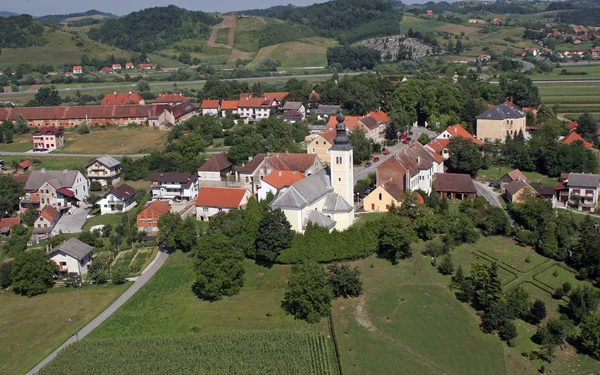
(494, 185)
(403, 136)
(386, 152)
(409, 139)
(406, 141)
(376, 159)
(40, 149)
(368, 164)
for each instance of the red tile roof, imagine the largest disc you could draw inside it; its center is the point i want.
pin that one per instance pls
(170, 98)
(292, 162)
(329, 135)
(49, 213)
(220, 197)
(25, 164)
(157, 206)
(147, 66)
(210, 104)
(575, 137)
(9, 222)
(255, 103)
(572, 125)
(279, 179)
(77, 67)
(380, 116)
(352, 123)
(458, 131)
(121, 99)
(229, 105)
(217, 163)
(314, 96)
(66, 192)
(279, 96)
(438, 145)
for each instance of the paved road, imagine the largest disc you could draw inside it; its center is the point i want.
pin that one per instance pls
(486, 192)
(72, 223)
(140, 282)
(44, 154)
(182, 83)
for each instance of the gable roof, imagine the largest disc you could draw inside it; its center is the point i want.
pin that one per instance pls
(314, 96)
(454, 182)
(572, 125)
(318, 218)
(171, 98)
(283, 178)
(157, 206)
(74, 248)
(303, 193)
(210, 104)
(516, 186)
(106, 160)
(501, 112)
(251, 166)
(369, 122)
(409, 160)
(293, 115)
(250, 102)
(327, 109)
(48, 131)
(351, 122)
(221, 197)
(380, 116)
(393, 188)
(279, 96)
(458, 131)
(575, 137)
(58, 179)
(335, 203)
(229, 105)
(292, 106)
(438, 145)
(123, 191)
(545, 191)
(49, 213)
(9, 222)
(25, 164)
(185, 179)
(329, 136)
(121, 99)
(217, 163)
(292, 162)
(514, 176)
(584, 180)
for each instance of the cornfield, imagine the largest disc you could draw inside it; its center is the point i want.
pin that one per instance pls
(262, 352)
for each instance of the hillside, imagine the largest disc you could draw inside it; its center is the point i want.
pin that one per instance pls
(75, 18)
(21, 31)
(8, 14)
(153, 29)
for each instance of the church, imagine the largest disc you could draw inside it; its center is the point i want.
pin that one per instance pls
(323, 199)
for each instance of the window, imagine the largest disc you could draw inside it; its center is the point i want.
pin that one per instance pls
(316, 142)
(45, 225)
(43, 200)
(380, 196)
(340, 179)
(247, 179)
(314, 150)
(205, 209)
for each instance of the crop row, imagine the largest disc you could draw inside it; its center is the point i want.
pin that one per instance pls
(576, 109)
(571, 100)
(260, 352)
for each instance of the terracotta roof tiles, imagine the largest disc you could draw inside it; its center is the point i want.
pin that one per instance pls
(220, 197)
(279, 179)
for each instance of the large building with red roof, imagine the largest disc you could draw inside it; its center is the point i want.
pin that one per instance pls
(122, 99)
(276, 181)
(373, 125)
(212, 200)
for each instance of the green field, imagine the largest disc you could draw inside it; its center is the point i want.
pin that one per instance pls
(307, 52)
(207, 54)
(114, 140)
(572, 99)
(50, 162)
(33, 327)
(496, 173)
(247, 33)
(222, 36)
(108, 219)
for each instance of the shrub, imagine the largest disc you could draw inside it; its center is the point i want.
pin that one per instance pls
(95, 186)
(566, 287)
(558, 293)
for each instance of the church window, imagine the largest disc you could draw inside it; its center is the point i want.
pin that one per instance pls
(380, 196)
(340, 179)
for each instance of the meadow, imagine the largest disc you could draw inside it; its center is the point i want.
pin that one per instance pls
(33, 327)
(496, 173)
(114, 140)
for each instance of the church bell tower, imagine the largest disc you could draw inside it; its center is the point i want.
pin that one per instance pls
(342, 173)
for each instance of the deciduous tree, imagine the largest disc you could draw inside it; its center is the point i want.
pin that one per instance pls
(395, 237)
(32, 273)
(308, 294)
(274, 235)
(345, 281)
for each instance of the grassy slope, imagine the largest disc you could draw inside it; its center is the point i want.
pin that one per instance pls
(33, 327)
(496, 173)
(111, 219)
(50, 162)
(109, 141)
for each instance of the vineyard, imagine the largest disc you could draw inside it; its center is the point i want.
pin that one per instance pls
(273, 352)
(571, 100)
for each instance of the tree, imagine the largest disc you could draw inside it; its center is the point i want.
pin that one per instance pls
(518, 301)
(590, 336)
(32, 273)
(48, 97)
(486, 283)
(537, 313)
(465, 156)
(169, 226)
(95, 186)
(143, 86)
(447, 266)
(495, 316)
(308, 295)
(548, 241)
(252, 217)
(583, 301)
(424, 139)
(5, 280)
(218, 267)
(361, 146)
(520, 88)
(435, 249)
(274, 235)
(495, 222)
(508, 331)
(21, 124)
(459, 47)
(10, 192)
(395, 237)
(587, 128)
(118, 274)
(345, 281)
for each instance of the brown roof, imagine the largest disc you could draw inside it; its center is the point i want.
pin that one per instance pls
(279, 179)
(291, 162)
(394, 188)
(252, 164)
(329, 135)
(9, 222)
(66, 192)
(185, 179)
(221, 197)
(121, 99)
(516, 186)
(157, 206)
(217, 163)
(513, 176)
(293, 115)
(25, 164)
(49, 213)
(48, 130)
(123, 191)
(410, 160)
(545, 191)
(454, 183)
(369, 122)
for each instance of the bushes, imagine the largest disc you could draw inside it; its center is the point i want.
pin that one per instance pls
(354, 58)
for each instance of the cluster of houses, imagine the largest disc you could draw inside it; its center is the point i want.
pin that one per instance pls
(118, 67)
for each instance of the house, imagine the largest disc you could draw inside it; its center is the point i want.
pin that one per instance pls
(105, 169)
(118, 200)
(43, 225)
(547, 192)
(322, 199)
(496, 21)
(212, 200)
(6, 225)
(24, 166)
(430, 12)
(48, 138)
(262, 165)
(499, 122)
(572, 126)
(321, 144)
(313, 100)
(77, 69)
(122, 99)
(583, 190)
(129, 65)
(255, 109)
(517, 191)
(294, 107)
(171, 99)
(276, 181)
(292, 117)
(483, 57)
(215, 168)
(116, 66)
(147, 219)
(147, 66)
(326, 111)
(229, 108)
(172, 185)
(63, 190)
(106, 70)
(371, 126)
(72, 257)
(439, 147)
(574, 137)
(457, 130)
(511, 176)
(210, 107)
(454, 186)
(383, 197)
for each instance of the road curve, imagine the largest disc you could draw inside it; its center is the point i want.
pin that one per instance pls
(140, 282)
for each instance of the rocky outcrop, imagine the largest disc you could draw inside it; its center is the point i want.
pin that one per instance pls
(399, 47)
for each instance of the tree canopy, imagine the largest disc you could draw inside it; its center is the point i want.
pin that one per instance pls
(32, 273)
(308, 294)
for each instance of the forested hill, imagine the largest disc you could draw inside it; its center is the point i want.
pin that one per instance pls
(56, 19)
(153, 28)
(346, 20)
(586, 17)
(21, 31)
(7, 14)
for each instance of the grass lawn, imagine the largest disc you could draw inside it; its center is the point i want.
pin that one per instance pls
(140, 184)
(33, 327)
(109, 141)
(593, 72)
(303, 53)
(364, 218)
(20, 143)
(562, 276)
(110, 219)
(50, 162)
(496, 173)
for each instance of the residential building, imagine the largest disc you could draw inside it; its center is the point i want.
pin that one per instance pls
(276, 181)
(105, 169)
(129, 65)
(171, 99)
(147, 219)
(24, 166)
(255, 109)
(116, 66)
(72, 257)
(322, 199)
(294, 107)
(77, 69)
(118, 200)
(583, 190)
(518, 191)
(212, 200)
(457, 130)
(313, 100)
(215, 168)
(321, 144)
(106, 70)
(373, 125)
(6, 225)
(574, 137)
(454, 186)
(48, 138)
(147, 66)
(122, 99)
(43, 225)
(547, 192)
(229, 108)
(499, 122)
(511, 176)
(210, 107)
(383, 197)
(262, 165)
(324, 112)
(63, 190)
(174, 186)
(292, 117)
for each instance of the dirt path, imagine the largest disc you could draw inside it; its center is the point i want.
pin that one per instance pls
(262, 54)
(227, 23)
(34, 87)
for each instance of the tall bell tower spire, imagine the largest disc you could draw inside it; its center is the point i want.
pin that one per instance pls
(342, 173)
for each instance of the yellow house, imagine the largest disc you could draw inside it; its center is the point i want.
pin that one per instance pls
(321, 144)
(383, 197)
(499, 122)
(518, 191)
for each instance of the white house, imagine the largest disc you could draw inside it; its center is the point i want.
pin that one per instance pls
(105, 169)
(276, 181)
(118, 200)
(210, 107)
(214, 168)
(72, 257)
(44, 224)
(44, 187)
(255, 109)
(212, 200)
(174, 186)
(586, 187)
(294, 106)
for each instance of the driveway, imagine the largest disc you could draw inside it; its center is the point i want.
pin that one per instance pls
(72, 223)
(488, 193)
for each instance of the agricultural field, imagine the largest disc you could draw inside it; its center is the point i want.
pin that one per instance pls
(220, 353)
(222, 36)
(247, 33)
(309, 52)
(216, 55)
(114, 140)
(33, 327)
(593, 73)
(572, 99)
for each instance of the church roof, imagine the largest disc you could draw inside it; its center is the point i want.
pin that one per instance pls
(303, 193)
(318, 218)
(335, 203)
